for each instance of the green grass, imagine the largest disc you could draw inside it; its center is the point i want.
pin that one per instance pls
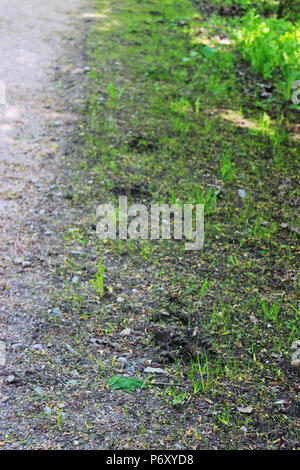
(98, 282)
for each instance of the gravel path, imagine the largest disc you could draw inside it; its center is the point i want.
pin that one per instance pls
(39, 42)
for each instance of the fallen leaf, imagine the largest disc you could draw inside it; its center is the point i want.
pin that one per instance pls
(127, 384)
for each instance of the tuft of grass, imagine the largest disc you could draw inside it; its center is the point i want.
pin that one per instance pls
(98, 282)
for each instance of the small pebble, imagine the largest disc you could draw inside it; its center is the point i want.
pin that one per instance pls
(11, 379)
(154, 370)
(125, 332)
(242, 193)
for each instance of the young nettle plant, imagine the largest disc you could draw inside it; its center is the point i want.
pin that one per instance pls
(98, 283)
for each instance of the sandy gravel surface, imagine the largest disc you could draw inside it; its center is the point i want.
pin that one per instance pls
(39, 40)
(35, 36)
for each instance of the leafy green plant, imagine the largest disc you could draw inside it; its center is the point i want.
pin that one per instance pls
(208, 198)
(128, 384)
(269, 44)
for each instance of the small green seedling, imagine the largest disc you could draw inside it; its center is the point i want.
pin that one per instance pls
(98, 283)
